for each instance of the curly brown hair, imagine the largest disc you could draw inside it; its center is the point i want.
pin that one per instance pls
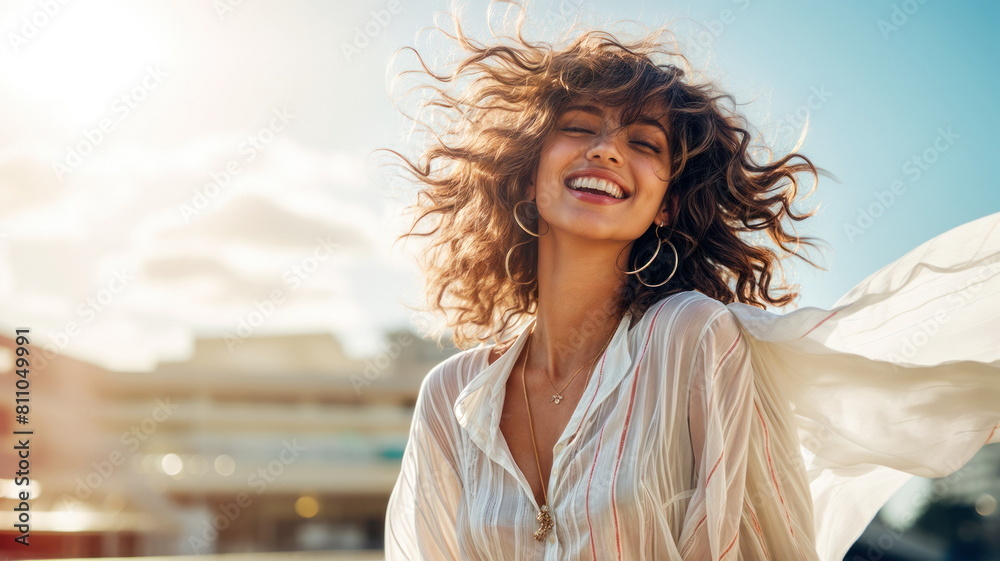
(475, 171)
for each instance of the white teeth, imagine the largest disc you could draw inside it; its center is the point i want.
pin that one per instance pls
(598, 184)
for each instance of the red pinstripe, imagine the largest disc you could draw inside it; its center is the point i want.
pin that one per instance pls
(756, 527)
(729, 352)
(739, 335)
(719, 461)
(695, 531)
(590, 480)
(731, 544)
(628, 416)
(713, 469)
(991, 434)
(819, 324)
(756, 523)
(770, 466)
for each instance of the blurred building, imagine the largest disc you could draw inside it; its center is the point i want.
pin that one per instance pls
(949, 518)
(259, 444)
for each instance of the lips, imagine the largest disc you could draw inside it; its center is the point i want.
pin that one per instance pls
(597, 182)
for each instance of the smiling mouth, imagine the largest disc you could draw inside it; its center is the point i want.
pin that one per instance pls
(597, 186)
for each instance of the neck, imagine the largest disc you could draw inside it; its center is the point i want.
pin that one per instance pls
(578, 286)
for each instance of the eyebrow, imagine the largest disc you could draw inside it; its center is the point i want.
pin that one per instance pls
(594, 110)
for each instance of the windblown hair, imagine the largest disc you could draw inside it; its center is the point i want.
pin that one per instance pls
(479, 167)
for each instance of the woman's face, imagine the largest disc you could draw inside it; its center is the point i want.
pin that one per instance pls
(598, 180)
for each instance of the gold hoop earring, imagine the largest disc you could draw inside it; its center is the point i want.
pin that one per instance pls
(506, 263)
(521, 224)
(659, 242)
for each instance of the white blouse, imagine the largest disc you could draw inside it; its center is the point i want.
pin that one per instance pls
(711, 431)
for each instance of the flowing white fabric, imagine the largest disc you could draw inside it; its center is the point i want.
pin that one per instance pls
(711, 432)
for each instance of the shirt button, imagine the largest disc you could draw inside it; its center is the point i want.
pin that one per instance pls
(560, 447)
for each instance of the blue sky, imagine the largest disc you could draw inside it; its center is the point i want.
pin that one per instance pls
(229, 185)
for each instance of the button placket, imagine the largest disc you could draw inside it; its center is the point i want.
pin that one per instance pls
(559, 459)
(552, 547)
(557, 463)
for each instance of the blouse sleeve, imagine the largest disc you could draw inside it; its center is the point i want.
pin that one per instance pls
(422, 509)
(900, 378)
(721, 407)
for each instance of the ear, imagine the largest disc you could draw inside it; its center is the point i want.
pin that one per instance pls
(669, 210)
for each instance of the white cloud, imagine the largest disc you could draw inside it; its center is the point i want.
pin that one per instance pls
(111, 253)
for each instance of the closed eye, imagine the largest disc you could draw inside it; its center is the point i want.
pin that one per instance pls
(649, 145)
(577, 129)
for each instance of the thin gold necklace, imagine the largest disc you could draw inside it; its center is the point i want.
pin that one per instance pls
(544, 516)
(558, 396)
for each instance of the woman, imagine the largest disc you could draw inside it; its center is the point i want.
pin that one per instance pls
(648, 407)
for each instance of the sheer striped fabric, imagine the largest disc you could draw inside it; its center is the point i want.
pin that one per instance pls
(723, 432)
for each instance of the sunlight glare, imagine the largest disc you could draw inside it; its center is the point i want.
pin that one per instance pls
(89, 55)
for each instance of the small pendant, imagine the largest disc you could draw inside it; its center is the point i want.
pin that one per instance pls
(544, 523)
(557, 398)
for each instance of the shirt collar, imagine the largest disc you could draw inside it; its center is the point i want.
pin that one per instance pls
(479, 405)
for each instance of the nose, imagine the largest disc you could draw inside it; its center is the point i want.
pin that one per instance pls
(604, 147)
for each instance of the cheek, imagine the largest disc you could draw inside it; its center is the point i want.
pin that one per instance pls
(553, 163)
(654, 177)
